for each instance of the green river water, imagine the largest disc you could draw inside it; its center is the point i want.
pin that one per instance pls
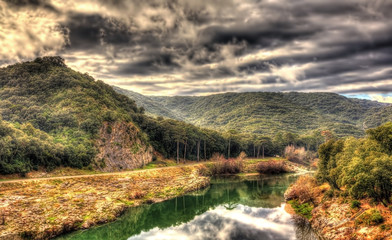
(231, 208)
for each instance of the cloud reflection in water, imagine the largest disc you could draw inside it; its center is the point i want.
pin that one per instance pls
(242, 222)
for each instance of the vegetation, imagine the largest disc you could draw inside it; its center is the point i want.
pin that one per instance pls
(304, 190)
(55, 206)
(355, 204)
(272, 167)
(370, 217)
(226, 166)
(363, 166)
(268, 113)
(298, 155)
(23, 148)
(304, 209)
(53, 115)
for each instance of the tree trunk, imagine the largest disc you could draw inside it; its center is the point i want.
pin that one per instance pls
(205, 151)
(258, 151)
(198, 151)
(263, 151)
(228, 151)
(254, 150)
(178, 151)
(185, 150)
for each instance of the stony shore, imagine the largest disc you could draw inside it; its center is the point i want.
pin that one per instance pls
(334, 218)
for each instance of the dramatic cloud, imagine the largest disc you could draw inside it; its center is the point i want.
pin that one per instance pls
(169, 47)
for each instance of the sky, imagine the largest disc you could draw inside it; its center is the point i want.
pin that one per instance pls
(202, 47)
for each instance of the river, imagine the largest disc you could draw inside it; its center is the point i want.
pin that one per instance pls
(231, 208)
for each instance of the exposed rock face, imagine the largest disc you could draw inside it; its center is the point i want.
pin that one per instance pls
(120, 148)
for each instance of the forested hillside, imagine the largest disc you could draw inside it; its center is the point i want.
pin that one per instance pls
(268, 113)
(55, 115)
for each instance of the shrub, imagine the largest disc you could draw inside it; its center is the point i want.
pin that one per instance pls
(229, 166)
(272, 167)
(242, 156)
(355, 204)
(217, 157)
(304, 209)
(302, 190)
(226, 166)
(205, 170)
(370, 217)
(330, 193)
(298, 155)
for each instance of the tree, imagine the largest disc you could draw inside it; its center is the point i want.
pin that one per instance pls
(230, 134)
(262, 141)
(327, 165)
(383, 135)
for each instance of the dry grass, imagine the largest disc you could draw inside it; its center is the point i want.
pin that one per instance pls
(303, 190)
(272, 167)
(298, 155)
(226, 166)
(42, 209)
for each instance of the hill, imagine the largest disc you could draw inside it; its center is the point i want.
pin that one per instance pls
(82, 119)
(268, 113)
(155, 108)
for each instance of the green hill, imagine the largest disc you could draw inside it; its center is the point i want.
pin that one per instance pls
(72, 111)
(154, 107)
(268, 113)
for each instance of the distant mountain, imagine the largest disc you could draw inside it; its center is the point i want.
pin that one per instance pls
(268, 113)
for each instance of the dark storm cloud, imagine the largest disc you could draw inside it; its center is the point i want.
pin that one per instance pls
(92, 30)
(157, 62)
(32, 4)
(200, 47)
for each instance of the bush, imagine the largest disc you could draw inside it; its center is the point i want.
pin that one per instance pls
(298, 155)
(226, 166)
(205, 170)
(355, 204)
(229, 166)
(302, 190)
(304, 209)
(370, 217)
(330, 193)
(272, 167)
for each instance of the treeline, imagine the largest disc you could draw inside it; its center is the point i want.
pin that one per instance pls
(170, 137)
(361, 167)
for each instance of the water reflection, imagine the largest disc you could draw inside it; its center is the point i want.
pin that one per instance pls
(231, 208)
(242, 222)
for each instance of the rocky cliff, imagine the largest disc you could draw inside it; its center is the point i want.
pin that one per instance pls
(121, 148)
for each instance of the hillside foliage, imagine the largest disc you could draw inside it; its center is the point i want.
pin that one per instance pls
(267, 113)
(363, 167)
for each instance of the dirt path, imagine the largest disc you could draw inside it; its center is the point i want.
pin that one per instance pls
(98, 174)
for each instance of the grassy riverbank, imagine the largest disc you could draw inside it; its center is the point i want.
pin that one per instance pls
(42, 209)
